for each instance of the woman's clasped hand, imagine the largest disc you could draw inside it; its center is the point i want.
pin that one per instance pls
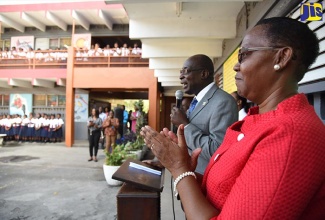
(171, 150)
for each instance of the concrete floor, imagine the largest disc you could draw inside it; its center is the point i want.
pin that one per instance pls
(51, 181)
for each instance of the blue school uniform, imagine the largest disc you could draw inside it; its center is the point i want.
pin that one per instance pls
(45, 128)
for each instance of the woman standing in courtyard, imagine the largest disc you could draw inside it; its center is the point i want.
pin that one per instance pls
(94, 126)
(110, 127)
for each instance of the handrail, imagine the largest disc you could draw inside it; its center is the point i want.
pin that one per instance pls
(58, 59)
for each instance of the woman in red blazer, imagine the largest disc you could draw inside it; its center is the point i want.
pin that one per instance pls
(271, 164)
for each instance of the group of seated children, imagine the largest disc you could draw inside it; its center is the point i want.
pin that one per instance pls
(36, 128)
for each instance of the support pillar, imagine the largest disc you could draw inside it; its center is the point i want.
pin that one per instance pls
(70, 94)
(154, 105)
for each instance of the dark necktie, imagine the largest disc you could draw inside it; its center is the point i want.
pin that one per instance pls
(192, 106)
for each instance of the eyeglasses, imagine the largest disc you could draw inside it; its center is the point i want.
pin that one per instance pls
(187, 71)
(244, 51)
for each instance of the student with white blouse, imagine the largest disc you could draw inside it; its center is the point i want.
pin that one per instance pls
(24, 128)
(21, 53)
(59, 130)
(8, 128)
(30, 54)
(45, 129)
(116, 50)
(136, 50)
(98, 51)
(107, 50)
(52, 128)
(38, 127)
(17, 128)
(2, 127)
(125, 50)
(39, 55)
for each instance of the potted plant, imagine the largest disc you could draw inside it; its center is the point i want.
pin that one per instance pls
(112, 162)
(136, 147)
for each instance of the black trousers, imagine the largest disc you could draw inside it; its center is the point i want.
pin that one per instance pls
(93, 143)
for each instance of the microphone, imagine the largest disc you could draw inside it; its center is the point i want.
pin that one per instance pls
(179, 96)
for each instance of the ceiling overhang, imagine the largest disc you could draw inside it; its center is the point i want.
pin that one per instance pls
(170, 30)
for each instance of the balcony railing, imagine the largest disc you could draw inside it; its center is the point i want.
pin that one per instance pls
(111, 61)
(58, 59)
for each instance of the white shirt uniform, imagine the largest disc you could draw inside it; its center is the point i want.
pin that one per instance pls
(25, 122)
(37, 122)
(60, 122)
(31, 123)
(125, 51)
(8, 123)
(18, 121)
(116, 52)
(45, 122)
(53, 123)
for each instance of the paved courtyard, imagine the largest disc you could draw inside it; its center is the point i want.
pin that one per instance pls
(51, 181)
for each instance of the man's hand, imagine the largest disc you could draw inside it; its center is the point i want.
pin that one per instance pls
(178, 117)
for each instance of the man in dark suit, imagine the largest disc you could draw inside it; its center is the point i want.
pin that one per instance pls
(207, 120)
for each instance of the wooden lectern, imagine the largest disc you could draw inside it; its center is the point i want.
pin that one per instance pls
(139, 196)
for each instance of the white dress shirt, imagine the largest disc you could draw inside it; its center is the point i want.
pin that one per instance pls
(241, 114)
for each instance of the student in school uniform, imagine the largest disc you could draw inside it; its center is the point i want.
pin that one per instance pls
(59, 131)
(116, 50)
(31, 128)
(24, 128)
(107, 51)
(13, 126)
(8, 128)
(56, 124)
(38, 127)
(125, 50)
(2, 127)
(136, 50)
(41, 122)
(45, 129)
(52, 127)
(18, 122)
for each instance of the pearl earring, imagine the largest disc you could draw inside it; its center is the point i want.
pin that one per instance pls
(277, 67)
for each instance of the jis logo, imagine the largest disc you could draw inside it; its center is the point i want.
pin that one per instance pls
(311, 12)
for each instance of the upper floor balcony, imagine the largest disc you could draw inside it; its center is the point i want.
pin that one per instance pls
(45, 59)
(48, 68)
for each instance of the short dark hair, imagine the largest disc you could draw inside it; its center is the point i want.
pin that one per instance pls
(283, 31)
(203, 61)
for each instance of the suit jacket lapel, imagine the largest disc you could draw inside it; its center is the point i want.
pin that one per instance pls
(204, 101)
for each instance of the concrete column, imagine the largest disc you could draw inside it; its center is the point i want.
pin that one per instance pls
(70, 92)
